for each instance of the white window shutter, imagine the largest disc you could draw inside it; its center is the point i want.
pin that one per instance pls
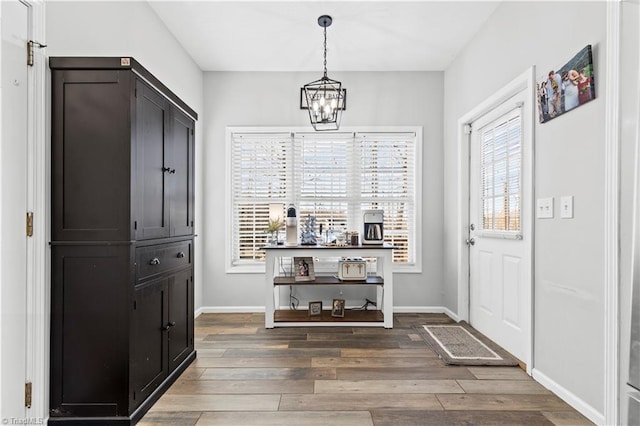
(260, 176)
(333, 176)
(500, 165)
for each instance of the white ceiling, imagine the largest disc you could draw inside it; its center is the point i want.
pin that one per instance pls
(285, 35)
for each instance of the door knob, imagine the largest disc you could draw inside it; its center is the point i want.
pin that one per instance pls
(470, 241)
(181, 255)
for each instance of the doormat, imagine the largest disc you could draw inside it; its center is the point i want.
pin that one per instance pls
(461, 344)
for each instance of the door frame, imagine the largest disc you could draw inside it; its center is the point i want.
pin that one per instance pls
(525, 81)
(38, 201)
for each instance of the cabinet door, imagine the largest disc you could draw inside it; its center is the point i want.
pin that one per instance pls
(152, 135)
(149, 343)
(90, 290)
(90, 155)
(180, 317)
(182, 155)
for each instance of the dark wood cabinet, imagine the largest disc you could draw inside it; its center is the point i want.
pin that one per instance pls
(180, 313)
(182, 176)
(149, 366)
(122, 240)
(164, 166)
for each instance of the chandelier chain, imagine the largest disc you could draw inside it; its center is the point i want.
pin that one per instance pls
(325, 52)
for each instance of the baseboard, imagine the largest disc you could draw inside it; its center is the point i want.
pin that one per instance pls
(570, 398)
(426, 310)
(229, 310)
(258, 309)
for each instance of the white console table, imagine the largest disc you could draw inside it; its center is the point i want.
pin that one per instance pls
(382, 316)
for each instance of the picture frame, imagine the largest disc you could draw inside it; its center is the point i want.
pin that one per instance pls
(337, 308)
(566, 87)
(315, 308)
(305, 105)
(303, 269)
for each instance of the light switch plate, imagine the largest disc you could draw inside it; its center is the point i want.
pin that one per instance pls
(566, 207)
(544, 208)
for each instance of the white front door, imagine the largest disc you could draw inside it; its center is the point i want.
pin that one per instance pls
(14, 18)
(499, 237)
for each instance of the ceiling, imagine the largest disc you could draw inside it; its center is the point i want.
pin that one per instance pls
(285, 35)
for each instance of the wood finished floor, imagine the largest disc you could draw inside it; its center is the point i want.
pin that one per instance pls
(247, 375)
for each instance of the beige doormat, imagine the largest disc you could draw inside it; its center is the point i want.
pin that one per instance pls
(461, 344)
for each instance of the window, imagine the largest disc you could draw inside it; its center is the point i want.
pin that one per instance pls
(332, 176)
(500, 164)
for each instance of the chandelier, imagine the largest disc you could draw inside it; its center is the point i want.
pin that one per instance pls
(325, 97)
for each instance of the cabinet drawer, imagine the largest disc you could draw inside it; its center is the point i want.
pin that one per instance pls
(154, 260)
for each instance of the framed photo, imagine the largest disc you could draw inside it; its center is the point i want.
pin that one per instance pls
(303, 269)
(315, 308)
(305, 105)
(566, 87)
(337, 309)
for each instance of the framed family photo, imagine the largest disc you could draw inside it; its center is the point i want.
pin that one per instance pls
(337, 309)
(303, 269)
(566, 87)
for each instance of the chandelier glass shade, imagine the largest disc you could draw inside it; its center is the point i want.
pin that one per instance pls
(325, 97)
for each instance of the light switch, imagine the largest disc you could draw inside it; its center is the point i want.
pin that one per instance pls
(566, 207)
(544, 208)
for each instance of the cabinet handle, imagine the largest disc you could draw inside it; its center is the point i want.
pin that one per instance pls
(154, 261)
(181, 255)
(166, 169)
(172, 171)
(169, 325)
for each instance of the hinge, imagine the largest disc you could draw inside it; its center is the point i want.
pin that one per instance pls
(192, 224)
(29, 224)
(191, 132)
(27, 394)
(135, 224)
(30, 55)
(467, 129)
(135, 306)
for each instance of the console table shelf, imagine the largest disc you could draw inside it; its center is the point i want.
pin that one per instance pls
(302, 316)
(383, 280)
(328, 280)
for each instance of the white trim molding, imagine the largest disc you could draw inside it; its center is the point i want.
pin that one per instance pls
(587, 410)
(38, 202)
(611, 345)
(260, 309)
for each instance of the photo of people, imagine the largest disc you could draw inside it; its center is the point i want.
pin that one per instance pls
(303, 269)
(568, 87)
(337, 309)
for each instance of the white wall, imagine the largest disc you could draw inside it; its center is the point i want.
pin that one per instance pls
(569, 152)
(272, 99)
(133, 29)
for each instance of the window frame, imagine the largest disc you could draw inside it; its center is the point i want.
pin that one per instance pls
(492, 121)
(256, 267)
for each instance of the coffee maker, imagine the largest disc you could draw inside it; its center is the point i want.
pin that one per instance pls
(373, 227)
(291, 224)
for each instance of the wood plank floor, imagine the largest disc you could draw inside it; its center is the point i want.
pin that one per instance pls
(247, 375)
